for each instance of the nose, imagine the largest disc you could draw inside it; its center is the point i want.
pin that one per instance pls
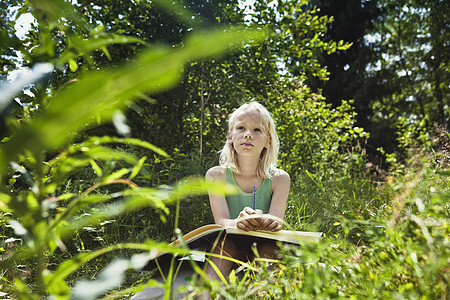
(248, 135)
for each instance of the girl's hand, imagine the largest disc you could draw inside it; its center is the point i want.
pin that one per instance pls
(270, 224)
(249, 219)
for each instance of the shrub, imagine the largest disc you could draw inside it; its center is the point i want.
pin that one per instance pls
(323, 151)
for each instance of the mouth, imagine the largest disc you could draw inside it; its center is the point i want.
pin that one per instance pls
(247, 144)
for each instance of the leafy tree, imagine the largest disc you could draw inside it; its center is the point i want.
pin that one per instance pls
(396, 68)
(412, 38)
(196, 110)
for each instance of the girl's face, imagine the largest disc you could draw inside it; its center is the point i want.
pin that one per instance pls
(247, 134)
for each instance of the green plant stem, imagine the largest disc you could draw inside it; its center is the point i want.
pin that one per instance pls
(41, 264)
(177, 215)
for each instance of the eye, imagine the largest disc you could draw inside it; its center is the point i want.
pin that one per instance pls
(258, 129)
(240, 127)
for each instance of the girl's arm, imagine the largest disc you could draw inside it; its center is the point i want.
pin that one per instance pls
(281, 183)
(219, 205)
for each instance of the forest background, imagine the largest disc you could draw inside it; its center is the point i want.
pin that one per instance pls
(121, 107)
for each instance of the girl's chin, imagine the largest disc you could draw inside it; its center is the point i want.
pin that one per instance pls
(248, 153)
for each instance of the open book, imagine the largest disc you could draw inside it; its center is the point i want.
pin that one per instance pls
(203, 237)
(287, 236)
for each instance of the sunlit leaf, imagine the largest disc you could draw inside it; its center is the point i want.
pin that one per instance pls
(137, 168)
(110, 277)
(116, 175)
(19, 229)
(127, 141)
(96, 168)
(95, 199)
(4, 200)
(73, 65)
(8, 90)
(119, 121)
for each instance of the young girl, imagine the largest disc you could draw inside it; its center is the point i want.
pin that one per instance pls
(248, 160)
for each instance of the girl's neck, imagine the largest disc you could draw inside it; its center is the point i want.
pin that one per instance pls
(248, 167)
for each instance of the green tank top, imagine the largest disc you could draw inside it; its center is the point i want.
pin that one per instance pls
(237, 202)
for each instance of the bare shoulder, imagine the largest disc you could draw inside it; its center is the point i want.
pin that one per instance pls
(280, 178)
(216, 173)
(280, 174)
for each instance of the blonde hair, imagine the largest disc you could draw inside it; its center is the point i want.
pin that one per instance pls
(269, 155)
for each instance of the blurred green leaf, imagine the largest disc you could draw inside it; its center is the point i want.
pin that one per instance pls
(137, 168)
(8, 90)
(96, 168)
(110, 277)
(4, 200)
(109, 139)
(116, 175)
(73, 65)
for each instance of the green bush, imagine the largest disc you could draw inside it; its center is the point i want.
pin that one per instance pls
(323, 151)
